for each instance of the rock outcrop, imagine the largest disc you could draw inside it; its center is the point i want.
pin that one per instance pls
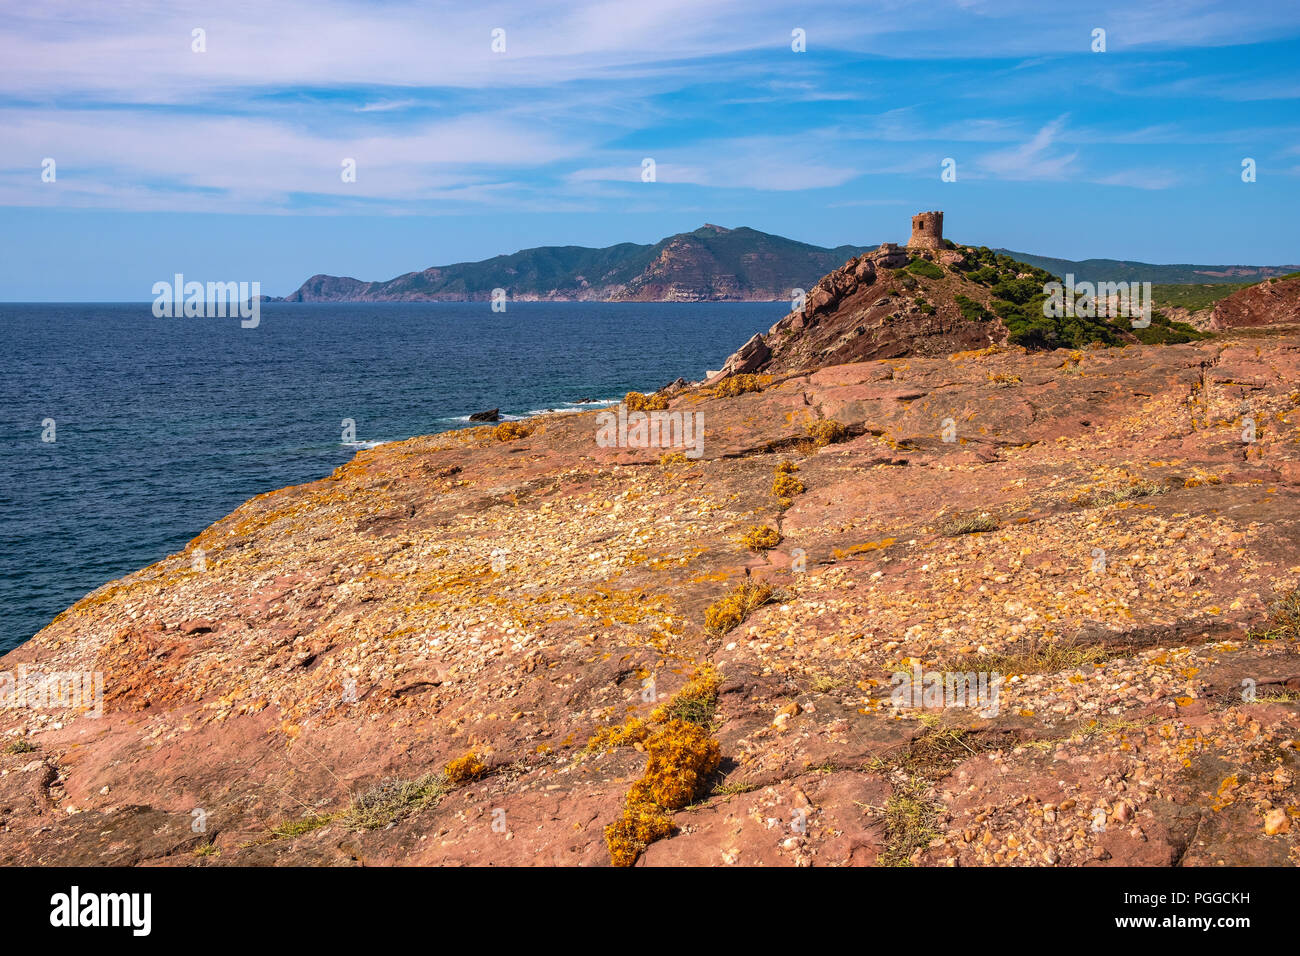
(1271, 302)
(933, 298)
(1089, 525)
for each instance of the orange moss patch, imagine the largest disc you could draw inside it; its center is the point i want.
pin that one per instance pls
(785, 485)
(694, 703)
(509, 431)
(682, 757)
(826, 432)
(634, 730)
(638, 827)
(637, 402)
(760, 537)
(464, 769)
(740, 384)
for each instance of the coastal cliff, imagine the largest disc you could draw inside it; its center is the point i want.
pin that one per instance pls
(531, 644)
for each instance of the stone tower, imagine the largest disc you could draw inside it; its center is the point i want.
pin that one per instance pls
(927, 231)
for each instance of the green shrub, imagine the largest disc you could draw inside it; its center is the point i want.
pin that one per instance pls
(971, 310)
(926, 268)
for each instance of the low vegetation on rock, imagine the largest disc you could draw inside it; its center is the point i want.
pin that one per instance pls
(638, 402)
(734, 385)
(681, 757)
(761, 537)
(1102, 527)
(393, 799)
(728, 612)
(509, 431)
(826, 431)
(464, 769)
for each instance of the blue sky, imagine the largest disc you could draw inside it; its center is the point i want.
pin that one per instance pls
(225, 164)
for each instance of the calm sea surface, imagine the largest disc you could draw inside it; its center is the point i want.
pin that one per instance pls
(162, 426)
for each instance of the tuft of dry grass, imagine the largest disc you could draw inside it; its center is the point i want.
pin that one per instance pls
(1130, 492)
(1283, 621)
(696, 702)
(728, 612)
(909, 825)
(1037, 657)
(968, 524)
(296, 828)
(389, 801)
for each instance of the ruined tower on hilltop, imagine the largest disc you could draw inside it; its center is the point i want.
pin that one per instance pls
(927, 231)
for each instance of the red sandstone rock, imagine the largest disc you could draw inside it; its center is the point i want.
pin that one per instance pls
(1271, 302)
(454, 593)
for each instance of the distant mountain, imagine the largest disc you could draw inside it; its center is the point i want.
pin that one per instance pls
(1124, 270)
(709, 264)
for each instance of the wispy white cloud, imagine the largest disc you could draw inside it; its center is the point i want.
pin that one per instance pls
(222, 163)
(1038, 158)
(142, 51)
(386, 106)
(770, 163)
(262, 119)
(1140, 178)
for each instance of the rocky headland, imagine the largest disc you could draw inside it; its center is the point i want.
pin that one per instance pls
(709, 264)
(517, 644)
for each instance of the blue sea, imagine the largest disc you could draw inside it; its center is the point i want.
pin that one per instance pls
(162, 426)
